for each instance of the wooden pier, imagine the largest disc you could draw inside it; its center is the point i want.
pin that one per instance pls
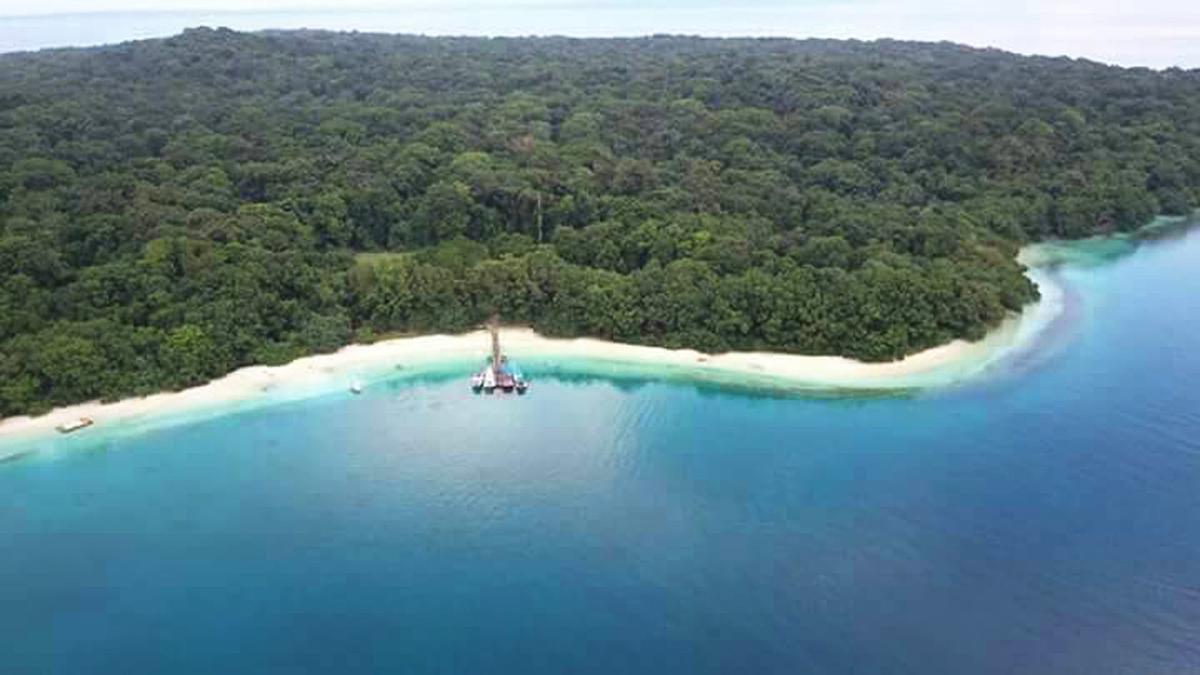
(494, 328)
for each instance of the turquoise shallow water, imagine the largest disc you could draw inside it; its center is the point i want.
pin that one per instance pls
(1043, 519)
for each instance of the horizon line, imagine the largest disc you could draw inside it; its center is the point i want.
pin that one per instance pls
(215, 18)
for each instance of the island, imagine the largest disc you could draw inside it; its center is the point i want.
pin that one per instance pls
(174, 210)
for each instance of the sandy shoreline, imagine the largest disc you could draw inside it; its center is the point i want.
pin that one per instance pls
(941, 365)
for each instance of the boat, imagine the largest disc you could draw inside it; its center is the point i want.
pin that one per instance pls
(500, 373)
(504, 375)
(75, 425)
(506, 381)
(519, 381)
(356, 387)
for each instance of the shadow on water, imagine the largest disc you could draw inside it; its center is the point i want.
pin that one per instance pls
(16, 457)
(703, 384)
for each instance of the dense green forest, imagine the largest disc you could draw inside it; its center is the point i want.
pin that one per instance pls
(174, 209)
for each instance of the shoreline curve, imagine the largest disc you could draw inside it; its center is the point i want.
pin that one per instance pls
(312, 376)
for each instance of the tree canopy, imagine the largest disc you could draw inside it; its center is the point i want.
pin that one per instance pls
(174, 209)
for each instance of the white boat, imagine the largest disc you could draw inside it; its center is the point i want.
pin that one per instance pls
(489, 379)
(477, 381)
(75, 425)
(356, 387)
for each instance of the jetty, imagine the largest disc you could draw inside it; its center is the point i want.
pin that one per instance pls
(499, 373)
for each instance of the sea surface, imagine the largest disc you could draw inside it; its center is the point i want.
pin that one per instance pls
(1042, 519)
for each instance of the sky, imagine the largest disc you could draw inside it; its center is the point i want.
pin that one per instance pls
(1153, 33)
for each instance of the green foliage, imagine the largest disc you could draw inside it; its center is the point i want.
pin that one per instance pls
(173, 209)
(189, 352)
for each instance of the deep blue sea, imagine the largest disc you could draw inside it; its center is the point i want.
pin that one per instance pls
(1044, 519)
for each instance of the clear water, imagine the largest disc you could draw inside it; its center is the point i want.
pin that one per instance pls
(1043, 520)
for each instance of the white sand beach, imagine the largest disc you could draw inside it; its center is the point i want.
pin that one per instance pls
(941, 365)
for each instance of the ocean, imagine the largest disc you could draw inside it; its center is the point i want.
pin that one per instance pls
(1044, 518)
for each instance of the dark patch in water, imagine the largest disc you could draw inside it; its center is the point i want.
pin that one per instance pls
(16, 457)
(763, 389)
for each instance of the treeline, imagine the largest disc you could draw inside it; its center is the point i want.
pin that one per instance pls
(173, 209)
(880, 311)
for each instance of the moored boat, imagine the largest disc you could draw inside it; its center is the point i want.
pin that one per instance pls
(356, 387)
(500, 372)
(519, 381)
(506, 381)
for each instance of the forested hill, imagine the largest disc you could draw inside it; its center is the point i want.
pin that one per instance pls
(173, 209)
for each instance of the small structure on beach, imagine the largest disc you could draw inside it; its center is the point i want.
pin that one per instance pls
(75, 425)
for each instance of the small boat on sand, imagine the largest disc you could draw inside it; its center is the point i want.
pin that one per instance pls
(75, 425)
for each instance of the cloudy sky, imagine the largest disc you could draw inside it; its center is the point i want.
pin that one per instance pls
(1155, 33)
